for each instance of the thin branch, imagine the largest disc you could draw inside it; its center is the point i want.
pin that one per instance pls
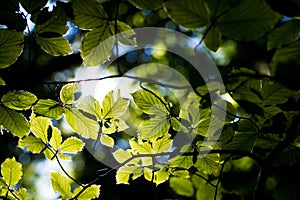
(219, 178)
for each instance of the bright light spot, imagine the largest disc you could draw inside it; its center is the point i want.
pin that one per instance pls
(159, 50)
(43, 169)
(30, 24)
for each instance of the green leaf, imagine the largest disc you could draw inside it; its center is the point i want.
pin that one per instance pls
(56, 46)
(122, 155)
(60, 184)
(71, 145)
(107, 140)
(11, 171)
(190, 14)
(285, 34)
(162, 145)
(90, 105)
(95, 48)
(57, 23)
(67, 93)
(286, 54)
(16, 123)
(123, 174)
(140, 147)
(181, 161)
(213, 39)
(125, 33)
(91, 192)
(33, 144)
(88, 15)
(48, 108)
(81, 124)
(242, 142)
(115, 125)
(22, 194)
(161, 176)
(147, 5)
(56, 138)
(248, 21)
(39, 126)
(2, 82)
(111, 108)
(153, 128)
(10, 47)
(182, 186)
(19, 100)
(32, 6)
(209, 164)
(2, 183)
(149, 103)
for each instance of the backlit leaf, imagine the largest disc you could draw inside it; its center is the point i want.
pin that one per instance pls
(11, 171)
(56, 46)
(10, 46)
(161, 176)
(162, 145)
(39, 126)
(22, 194)
(147, 5)
(91, 192)
(95, 49)
(123, 174)
(67, 93)
(112, 108)
(16, 123)
(140, 147)
(190, 14)
(125, 33)
(81, 124)
(149, 103)
(48, 108)
(33, 144)
(107, 140)
(122, 155)
(90, 105)
(56, 138)
(248, 21)
(115, 125)
(209, 164)
(71, 145)
(18, 100)
(153, 128)
(88, 15)
(61, 184)
(182, 186)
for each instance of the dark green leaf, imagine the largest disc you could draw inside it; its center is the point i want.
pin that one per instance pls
(19, 100)
(88, 15)
(2, 82)
(14, 122)
(12, 20)
(57, 46)
(48, 108)
(209, 164)
(190, 14)
(248, 21)
(33, 6)
(284, 34)
(147, 5)
(10, 47)
(213, 39)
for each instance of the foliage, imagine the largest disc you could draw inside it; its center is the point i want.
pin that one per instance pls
(262, 114)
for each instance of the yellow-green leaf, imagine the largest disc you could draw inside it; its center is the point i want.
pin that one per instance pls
(16, 123)
(56, 138)
(123, 174)
(91, 192)
(81, 124)
(11, 171)
(2, 82)
(90, 105)
(153, 128)
(68, 92)
(61, 184)
(182, 186)
(19, 100)
(162, 145)
(107, 140)
(48, 108)
(56, 46)
(22, 194)
(10, 46)
(111, 108)
(88, 15)
(122, 155)
(161, 176)
(71, 145)
(39, 126)
(33, 144)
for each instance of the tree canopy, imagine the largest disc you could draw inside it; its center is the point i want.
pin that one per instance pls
(132, 99)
